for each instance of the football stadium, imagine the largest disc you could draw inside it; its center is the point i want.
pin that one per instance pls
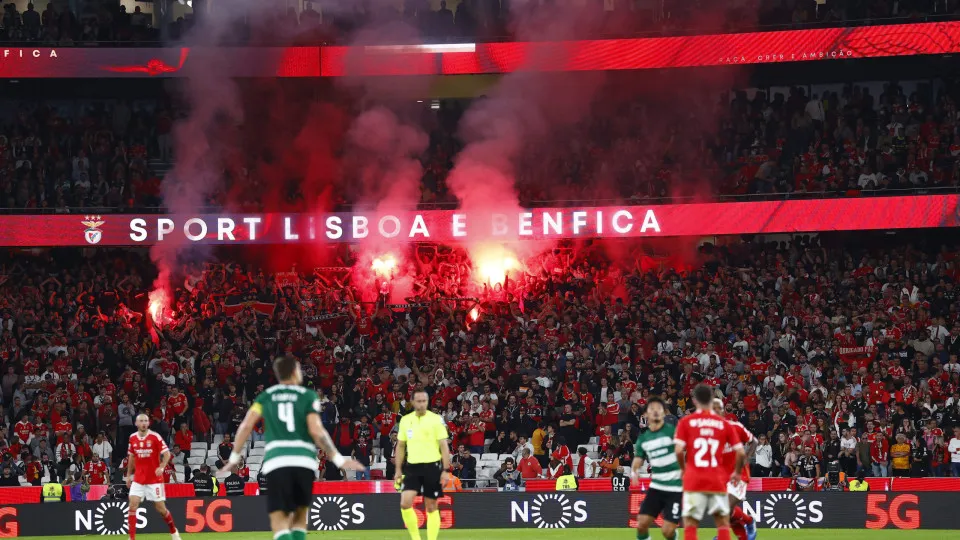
(453, 269)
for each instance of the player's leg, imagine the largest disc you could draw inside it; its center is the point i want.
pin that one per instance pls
(161, 507)
(719, 507)
(652, 506)
(304, 495)
(134, 503)
(671, 516)
(643, 526)
(280, 503)
(298, 523)
(694, 508)
(409, 491)
(432, 490)
(280, 524)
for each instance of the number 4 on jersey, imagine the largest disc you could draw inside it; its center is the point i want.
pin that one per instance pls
(285, 415)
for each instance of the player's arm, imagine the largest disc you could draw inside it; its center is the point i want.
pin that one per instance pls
(130, 469)
(323, 441)
(741, 455)
(399, 456)
(445, 453)
(164, 459)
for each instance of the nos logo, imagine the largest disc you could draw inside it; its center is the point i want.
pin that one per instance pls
(785, 511)
(549, 511)
(335, 514)
(109, 517)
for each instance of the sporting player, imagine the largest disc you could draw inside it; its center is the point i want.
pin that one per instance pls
(145, 474)
(666, 487)
(293, 432)
(742, 524)
(699, 440)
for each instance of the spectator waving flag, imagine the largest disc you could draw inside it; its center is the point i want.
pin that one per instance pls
(262, 304)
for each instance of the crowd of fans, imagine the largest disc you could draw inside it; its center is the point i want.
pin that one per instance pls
(844, 356)
(71, 154)
(110, 24)
(82, 154)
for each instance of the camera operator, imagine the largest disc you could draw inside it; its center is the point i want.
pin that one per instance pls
(835, 479)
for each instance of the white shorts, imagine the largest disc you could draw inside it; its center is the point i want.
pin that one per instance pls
(697, 505)
(737, 489)
(149, 492)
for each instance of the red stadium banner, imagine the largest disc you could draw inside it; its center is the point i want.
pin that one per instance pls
(645, 53)
(475, 58)
(452, 226)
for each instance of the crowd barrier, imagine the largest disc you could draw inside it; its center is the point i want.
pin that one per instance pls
(558, 510)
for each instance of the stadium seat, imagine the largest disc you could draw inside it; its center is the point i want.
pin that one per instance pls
(254, 459)
(594, 440)
(256, 452)
(487, 457)
(199, 447)
(502, 457)
(212, 461)
(259, 444)
(195, 461)
(217, 439)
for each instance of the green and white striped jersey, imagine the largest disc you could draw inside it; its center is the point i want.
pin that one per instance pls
(284, 409)
(657, 448)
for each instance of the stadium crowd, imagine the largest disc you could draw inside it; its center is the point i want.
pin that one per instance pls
(829, 355)
(97, 154)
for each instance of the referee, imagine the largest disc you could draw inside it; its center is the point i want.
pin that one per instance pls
(422, 462)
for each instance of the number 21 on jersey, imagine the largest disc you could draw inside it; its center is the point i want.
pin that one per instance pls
(703, 448)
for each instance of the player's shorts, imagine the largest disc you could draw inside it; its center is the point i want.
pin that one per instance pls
(148, 492)
(291, 488)
(737, 490)
(424, 478)
(668, 503)
(697, 505)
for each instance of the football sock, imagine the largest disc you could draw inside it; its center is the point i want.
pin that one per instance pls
(690, 533)
(298, 534)
(132, 523)
(169, 520)
(433, 525)
(283, 534)
(739, 515)
(643, 536)
(723, 533)
(672, 536)
(410, 521)
(739, 530)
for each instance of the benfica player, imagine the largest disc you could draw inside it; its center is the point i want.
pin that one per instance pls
(700, 439)
(145, 474)
(741, 523)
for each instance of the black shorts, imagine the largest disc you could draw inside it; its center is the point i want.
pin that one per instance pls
(668, 502)
(290, 488)
(424, 478)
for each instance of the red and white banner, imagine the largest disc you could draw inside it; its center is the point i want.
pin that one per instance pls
(474, 58)
(452, 226)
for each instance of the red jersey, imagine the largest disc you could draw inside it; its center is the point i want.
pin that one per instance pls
(386, 422)
(97, 472)
(704, 435)
(730, 457)
(147, 451)
(177, 404)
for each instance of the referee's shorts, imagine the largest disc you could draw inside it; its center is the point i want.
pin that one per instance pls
(424, 478)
